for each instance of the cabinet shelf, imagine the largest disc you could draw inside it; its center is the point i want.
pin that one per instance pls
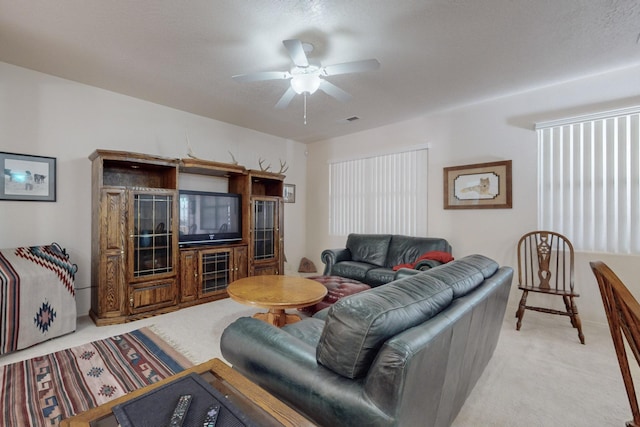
(207, 167)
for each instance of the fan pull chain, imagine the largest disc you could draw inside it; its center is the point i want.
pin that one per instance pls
(305, 107)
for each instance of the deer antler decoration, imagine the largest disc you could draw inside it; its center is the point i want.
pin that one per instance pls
(234, 161)
(283, 167)
(190, 152)
(262, 168)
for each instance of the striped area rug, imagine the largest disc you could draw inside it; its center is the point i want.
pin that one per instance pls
(44, 390)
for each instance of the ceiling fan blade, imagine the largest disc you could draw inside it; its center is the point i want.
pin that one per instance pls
(261, 76)
(296, 52)
(333, 90)
(286, 98)
(351, 67)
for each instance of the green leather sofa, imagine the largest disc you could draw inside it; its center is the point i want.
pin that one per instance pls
(407, 353)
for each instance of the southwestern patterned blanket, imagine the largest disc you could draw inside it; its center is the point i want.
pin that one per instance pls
(37, 295)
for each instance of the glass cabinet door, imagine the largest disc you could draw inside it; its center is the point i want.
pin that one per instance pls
(264, 229)
(152, 215)
(216, 270)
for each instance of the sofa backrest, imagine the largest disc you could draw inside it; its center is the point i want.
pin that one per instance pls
(357, 326)
(369, 248)
(465, 274)
(407, 249)
(487, 266)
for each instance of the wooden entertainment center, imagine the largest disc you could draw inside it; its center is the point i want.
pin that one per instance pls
(138, 268)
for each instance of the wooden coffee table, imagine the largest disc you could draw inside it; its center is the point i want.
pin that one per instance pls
(277, 293)
(256, 402)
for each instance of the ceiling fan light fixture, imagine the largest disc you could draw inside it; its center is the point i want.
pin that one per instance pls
(305, 83)
(307, 76)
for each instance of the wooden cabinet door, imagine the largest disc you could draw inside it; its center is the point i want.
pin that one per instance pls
(265, 269)
(240, 262)
(266, 242)
(110, 298)
(150, 296)
(279, 259)
(151, 250)
(189, 279)
(216, 271)
(152, 244)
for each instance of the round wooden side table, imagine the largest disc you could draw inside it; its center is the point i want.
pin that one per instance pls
(277, 293)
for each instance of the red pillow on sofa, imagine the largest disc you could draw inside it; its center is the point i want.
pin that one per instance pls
(441, 256)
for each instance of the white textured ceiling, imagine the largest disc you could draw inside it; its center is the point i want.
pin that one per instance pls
(434, 54)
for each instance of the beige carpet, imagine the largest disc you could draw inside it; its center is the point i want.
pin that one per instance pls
(540, 376)
(543, 376)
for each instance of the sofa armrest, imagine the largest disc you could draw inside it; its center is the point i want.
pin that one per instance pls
(249, 338)
(405, 272)
(332, 256)
(426, 264)
(287, 367)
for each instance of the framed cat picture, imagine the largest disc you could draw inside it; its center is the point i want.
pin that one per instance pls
(478, 186)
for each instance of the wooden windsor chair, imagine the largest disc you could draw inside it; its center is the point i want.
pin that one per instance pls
(545, 265)
(623, 315)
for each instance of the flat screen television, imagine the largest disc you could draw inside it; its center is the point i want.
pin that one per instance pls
(209, 218)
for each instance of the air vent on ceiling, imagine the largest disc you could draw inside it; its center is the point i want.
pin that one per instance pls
(348, 119)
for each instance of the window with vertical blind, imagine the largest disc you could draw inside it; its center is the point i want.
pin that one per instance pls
(380, 194)
(589, 180)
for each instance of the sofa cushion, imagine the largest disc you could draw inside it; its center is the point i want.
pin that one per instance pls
(358, 325)
(369, 248)
(407, 249)
(356, 270)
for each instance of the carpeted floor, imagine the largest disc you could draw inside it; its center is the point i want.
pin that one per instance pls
(540, 376)
(43, 390)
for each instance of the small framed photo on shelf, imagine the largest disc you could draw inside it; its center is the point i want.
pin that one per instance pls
(289, 193)
(478, 186)
(26, 177)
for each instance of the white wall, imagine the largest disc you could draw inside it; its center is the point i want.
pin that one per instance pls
(47, 116)
(499, 129)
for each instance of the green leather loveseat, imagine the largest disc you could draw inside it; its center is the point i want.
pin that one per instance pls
(370, 258)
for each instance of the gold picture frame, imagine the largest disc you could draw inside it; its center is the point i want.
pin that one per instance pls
(478, 186)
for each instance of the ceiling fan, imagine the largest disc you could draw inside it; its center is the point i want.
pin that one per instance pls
(307, 76)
